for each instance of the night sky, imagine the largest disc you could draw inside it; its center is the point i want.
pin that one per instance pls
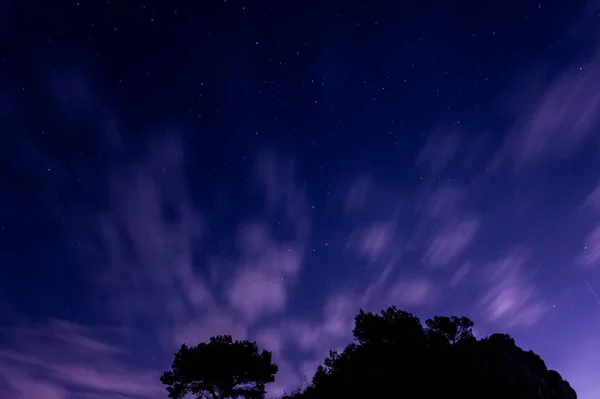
(172, 170)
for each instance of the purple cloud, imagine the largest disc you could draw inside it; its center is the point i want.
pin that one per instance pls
(358, 194)
(510, 299)
(451, 241)
(444, 201)
(377, 239)
(439, 150)
(47, 358)
(591, 250)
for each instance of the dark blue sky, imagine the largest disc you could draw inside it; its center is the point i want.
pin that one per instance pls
(175, 170)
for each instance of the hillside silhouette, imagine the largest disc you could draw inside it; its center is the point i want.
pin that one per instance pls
(393, 356)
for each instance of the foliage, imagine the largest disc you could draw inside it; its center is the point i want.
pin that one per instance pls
(393, 356)
(220, 369)
(396, 357)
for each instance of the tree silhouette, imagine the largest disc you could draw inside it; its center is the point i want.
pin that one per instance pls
(395, 356)
(220, 369)
(449, 330)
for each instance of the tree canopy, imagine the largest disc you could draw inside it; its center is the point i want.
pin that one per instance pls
(393, 356)
(220, 369)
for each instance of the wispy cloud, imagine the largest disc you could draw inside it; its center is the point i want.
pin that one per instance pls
(444, 201)
(510, 299)
(440, 149)
(459, 275)
(358, 194)
(377, 239)
(451, 241)
(593, 201)
(45, 359)
(553, 118)
(591, 250)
